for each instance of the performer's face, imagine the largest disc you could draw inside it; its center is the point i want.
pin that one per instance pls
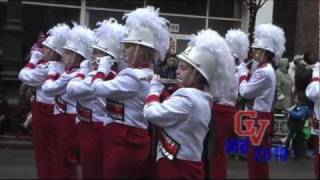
(96, 55)
(185, 74)
(71, 58)
(50, 55)
(258, 54)
(131, 52)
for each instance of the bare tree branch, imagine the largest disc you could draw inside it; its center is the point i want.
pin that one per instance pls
(258, 4)
(263, 3)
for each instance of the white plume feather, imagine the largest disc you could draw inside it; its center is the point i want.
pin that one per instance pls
(209, 40)
(82, 34)
(238, 42)
(276, 34)
(60, 31)
(110, 28)
(149, 17)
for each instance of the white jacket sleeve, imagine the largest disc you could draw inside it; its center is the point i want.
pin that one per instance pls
(171, 111)
(313, 91)
(120, 86)
(253, 87)
(56, 87)
(79, 88)
(34, 77)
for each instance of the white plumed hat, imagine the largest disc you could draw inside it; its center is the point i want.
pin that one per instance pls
(238, 43)
(109, 35)
(81, 40)
(146, 28)
(209, 53)
(58, 36)
(271, 38)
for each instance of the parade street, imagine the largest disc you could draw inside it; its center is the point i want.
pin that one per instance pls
(20, 164)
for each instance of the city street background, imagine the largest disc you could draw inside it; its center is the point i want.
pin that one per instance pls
(19, 163)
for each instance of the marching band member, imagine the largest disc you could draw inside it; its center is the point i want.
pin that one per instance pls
(126, 139)
(268, 46)
(313, 92)
(76, 50)
(225, 109)
(34, 74)
(91, 109)
(205, 70)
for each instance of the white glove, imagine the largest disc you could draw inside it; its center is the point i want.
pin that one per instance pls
(77, 120)
(156, 87)
(60, 67)
(105, 65)
(66, 76)
(35, 57)
(85, 67)
(316, 70)
(280, 97)
(243, 69)
(52, 68)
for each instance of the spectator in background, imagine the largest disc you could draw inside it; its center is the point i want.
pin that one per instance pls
(168, 67)
(37, 46)
(296, 141)
(4, 108)
(27, 94)
(292, 65)
(284, 86)
(302, 77)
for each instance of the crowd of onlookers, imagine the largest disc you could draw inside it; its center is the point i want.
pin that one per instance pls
(292, 80)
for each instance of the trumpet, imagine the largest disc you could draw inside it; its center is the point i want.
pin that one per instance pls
(169, 81)
(163, 80)
(97, 60)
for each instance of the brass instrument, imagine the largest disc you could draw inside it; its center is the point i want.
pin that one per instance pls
(163, 80)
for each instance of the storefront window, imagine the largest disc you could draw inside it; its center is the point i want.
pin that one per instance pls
(223, 26)
(190, 7)
(41, 18)
(96, 16)
(3, 11)
(223, 8)
(181, 45)
(186, 25)
(116, 4)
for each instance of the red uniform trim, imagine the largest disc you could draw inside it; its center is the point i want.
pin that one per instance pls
(140, 66)
(315, 79)
(30, 65)
(224, 108)
(79, 75)
(42, 61)
(242, 78)
(101, 75)
(110, 76)
(164, 95)
(152, 98)
(53, 77)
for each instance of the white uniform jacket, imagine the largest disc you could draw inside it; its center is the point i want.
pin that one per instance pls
(313, 93)
(89, 107)
(35, 75)
(184, 119)
(125, 95)
(261, 87)
(230, 98)
(56, 87)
